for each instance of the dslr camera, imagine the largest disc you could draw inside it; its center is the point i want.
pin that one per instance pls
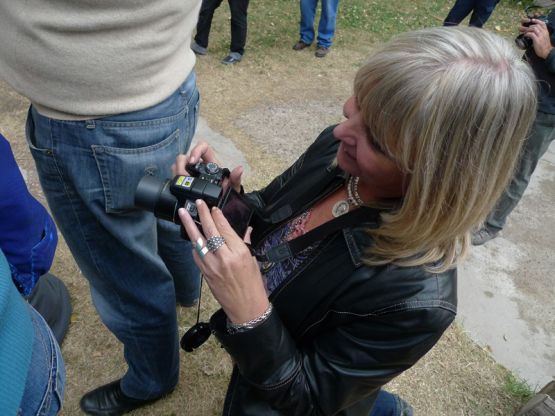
(164, 198)
(522, 41)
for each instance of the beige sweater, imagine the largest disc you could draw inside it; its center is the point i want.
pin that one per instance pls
(82, 59)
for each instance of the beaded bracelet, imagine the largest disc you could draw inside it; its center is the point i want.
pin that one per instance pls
(253, 323)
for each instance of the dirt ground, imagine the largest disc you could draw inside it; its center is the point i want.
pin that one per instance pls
(271, 108)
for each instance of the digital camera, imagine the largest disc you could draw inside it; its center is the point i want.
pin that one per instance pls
(522, 41)
(164, 198)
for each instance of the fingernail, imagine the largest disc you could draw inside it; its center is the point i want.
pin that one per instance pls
(199, 202)
(181, 211)
(191, 160)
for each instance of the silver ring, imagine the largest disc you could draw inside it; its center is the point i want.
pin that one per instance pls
(199, 244)
(200, 248)
(214, 243)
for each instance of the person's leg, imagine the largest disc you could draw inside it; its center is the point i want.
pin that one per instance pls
(89, 171)
(460, 10)
(205, 21)
(482, 11)
(389, 404)
(308, 11)
(326, 26)
(44, 388)
(238, 10)
(543, 132)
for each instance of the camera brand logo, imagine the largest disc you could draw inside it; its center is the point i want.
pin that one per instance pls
(184, 181)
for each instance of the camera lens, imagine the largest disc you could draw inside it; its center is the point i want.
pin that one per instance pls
(154, 195)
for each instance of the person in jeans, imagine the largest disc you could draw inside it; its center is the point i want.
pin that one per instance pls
(326, 26)
(238, 10)
(481, 11)
(32, 372)
(113, 98)
(541, 56)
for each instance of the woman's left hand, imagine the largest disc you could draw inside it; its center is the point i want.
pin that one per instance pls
(230, 271)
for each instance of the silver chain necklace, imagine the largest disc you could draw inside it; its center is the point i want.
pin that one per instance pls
(353, 198)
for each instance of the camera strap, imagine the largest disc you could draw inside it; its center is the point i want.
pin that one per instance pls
(362, 215)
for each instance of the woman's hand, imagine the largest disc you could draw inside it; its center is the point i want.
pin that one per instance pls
(231, 271)
(539, 34)
(202, 152)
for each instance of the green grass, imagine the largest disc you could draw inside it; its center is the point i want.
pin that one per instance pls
(519, 389)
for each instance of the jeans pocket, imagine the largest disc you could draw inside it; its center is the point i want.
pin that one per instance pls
(121, 169)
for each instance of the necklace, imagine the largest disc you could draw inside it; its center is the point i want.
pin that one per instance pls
(353, 199)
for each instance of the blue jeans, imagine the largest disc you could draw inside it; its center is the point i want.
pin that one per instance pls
(44, 388)
(541, 136)
(481, 11)
(137, 266)
(389, 404)
(326, 27)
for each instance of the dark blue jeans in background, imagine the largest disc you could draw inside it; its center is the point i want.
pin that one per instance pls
(481, 11)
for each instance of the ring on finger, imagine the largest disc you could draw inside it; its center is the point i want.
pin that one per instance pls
(214, 243)
(200, 248)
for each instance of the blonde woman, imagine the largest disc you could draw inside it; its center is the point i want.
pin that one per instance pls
(429, 141)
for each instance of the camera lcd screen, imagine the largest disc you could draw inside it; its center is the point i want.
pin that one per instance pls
(237, 211)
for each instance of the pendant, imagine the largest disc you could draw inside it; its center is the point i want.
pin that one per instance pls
(339, 208)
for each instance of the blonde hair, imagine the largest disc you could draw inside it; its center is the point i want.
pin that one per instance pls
(452, 107)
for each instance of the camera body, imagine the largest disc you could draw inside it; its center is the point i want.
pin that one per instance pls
(164, 198)
(522, 41)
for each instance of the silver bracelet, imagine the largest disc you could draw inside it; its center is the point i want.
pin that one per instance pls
(253, 323)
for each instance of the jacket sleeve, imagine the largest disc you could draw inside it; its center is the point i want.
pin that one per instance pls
(339, 366)
(28, 235)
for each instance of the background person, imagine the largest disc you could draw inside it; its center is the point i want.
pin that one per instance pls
(28, 239)
(114, 97)
(326, 26)
(322, 326)
(481, 11)
(32, 371)
(238, 10)
(541, 56)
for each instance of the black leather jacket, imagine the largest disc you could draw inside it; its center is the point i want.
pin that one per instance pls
(339, 329)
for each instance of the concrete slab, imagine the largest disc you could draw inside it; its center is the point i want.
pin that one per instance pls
(228, 155)
(507, 287)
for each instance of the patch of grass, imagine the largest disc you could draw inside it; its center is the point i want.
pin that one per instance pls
(517, 388)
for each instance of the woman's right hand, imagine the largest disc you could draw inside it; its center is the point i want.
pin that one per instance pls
(204, 153)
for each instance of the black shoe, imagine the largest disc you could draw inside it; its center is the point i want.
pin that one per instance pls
(50, 298)
(321, 52)
(232, 58)
(300, 45)
(109, 400)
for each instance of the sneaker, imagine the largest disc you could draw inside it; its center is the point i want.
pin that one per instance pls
(199, 50)
(483, 235)
(321, 51)
(232, 58)
(300, 45)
